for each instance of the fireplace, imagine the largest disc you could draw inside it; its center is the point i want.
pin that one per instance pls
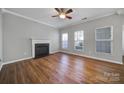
(41, 50)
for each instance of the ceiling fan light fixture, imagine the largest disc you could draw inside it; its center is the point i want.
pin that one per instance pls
(62, 16)
(63, 13)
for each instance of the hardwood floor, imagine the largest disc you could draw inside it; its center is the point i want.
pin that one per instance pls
(62, 68)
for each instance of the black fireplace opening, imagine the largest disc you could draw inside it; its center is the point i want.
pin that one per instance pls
(41, 50)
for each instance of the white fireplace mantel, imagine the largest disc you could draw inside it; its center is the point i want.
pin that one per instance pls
(36, 41)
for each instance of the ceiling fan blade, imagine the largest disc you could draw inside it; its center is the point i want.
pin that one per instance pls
(55, 15)
(62, 9)
(69, 11)
(57, 9)
(69, 17)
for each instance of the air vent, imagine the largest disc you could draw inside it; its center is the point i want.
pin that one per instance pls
(84, 18)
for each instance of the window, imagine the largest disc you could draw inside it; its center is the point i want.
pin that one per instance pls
(79, 40)
(104, 40)
(65, 40)
(123, 38)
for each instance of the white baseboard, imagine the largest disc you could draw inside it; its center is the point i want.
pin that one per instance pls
(111, 61)
(13, 61)
(54, 52)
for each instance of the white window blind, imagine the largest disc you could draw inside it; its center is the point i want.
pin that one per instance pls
(104, 40)
(65, 40)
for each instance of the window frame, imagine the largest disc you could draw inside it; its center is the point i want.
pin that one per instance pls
(62, 40)
(122, 37)
(111, 39)
(83, 46)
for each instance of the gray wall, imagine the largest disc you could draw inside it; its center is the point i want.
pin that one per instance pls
(17, 33)
(89, 31)
(0, 39)
(122, 22)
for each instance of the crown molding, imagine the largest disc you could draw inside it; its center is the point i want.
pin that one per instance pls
(25, 17)
(58, 28)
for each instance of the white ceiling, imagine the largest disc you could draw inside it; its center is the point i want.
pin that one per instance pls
(43, 15)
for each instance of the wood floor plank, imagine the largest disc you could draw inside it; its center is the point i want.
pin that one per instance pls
(62, 68)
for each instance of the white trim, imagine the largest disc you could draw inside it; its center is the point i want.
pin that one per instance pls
(101, 16)
(25, 17)
(111, 61)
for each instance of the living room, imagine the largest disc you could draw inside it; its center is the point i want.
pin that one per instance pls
(69, 44)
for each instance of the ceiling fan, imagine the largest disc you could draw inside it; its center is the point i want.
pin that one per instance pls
(63, 13)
